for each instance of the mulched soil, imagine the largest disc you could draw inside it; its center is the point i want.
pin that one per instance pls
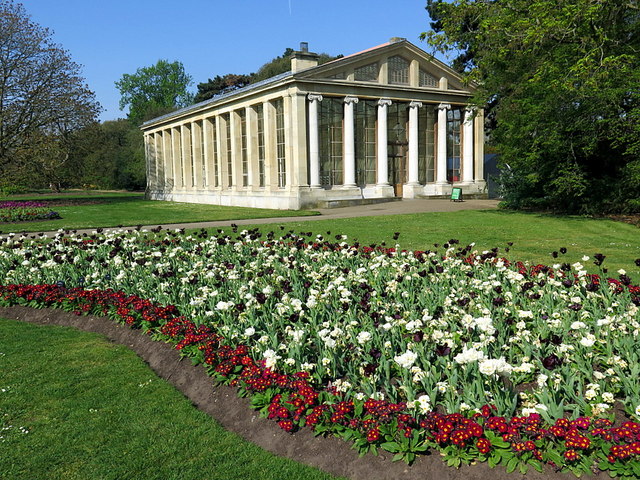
(220, 402)
(632, 219)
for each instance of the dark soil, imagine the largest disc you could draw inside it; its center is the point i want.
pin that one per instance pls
(632, 219)
(220, 402)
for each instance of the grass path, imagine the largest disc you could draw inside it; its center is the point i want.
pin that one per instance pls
(534, 236)
(110, 210)
(94, 410)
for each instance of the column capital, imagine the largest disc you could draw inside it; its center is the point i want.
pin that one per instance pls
(314, 97)
(415, 104)
(444, 106)
(384, 102)
(349, 100)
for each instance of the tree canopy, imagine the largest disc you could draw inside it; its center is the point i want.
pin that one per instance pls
(154, 90)
(560, 81)
(221, 84)
(43, 98)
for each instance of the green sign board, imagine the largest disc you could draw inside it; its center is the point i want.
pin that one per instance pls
(456, 194)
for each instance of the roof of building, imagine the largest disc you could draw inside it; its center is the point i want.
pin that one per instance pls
(285, 75)
(221, 96)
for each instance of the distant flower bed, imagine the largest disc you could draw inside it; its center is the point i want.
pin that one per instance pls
(455, 349)
(11, 212)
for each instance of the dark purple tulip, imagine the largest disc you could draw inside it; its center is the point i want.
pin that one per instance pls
(551, 362)
(443, 350)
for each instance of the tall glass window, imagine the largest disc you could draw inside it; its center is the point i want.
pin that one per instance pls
(280, 150)
(398, 144)
(330, 113)
(203, 164)
(193, 143)
(261, 148)
(365, 137)
(454, 125)
(214, 149)
(426, 132)
(243, 136)
(180, 144)
(160, 158)
(227, 121)
(398, 69)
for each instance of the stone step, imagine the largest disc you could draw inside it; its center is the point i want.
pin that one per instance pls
(465, 196)
(354, 202)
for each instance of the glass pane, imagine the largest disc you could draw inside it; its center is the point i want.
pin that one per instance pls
(427, 80)
(330, 133)
(398, 70)
(260, 113)
(281, 160)
(453, 145)
(426, 134)
(365, 142)
(367, 73)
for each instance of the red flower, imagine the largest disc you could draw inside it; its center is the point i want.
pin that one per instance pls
(483, 445)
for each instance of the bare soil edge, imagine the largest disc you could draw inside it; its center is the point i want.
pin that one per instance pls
(235, 414)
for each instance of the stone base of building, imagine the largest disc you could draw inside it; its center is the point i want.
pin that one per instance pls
(298, 198)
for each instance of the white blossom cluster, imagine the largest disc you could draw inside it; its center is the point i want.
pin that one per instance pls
(429, 328)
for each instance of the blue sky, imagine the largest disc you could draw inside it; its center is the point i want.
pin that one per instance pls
(210, 37)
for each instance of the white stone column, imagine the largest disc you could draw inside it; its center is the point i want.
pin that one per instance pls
(149, 161)
(413, 143)
(314, 144)
(383, 143)
(349, 142)
(467, 146)
(478, 151)
(441, 160)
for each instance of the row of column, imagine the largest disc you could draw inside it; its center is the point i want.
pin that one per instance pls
(382, 147)
(220, 151)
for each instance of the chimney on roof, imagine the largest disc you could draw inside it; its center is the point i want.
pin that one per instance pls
(303, 58)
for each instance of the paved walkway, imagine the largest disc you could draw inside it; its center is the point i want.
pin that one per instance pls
(389, 208)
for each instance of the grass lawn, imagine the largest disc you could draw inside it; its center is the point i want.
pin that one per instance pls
(121, 209)
(94, 410)
(534, 236)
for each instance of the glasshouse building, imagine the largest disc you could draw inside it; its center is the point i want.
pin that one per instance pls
(387, 122)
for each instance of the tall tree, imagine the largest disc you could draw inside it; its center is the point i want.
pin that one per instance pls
(43, 97)
(560, 79)
(154, 90)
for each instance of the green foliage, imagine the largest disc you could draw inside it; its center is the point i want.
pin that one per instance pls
(155, 90)
(43, 100)
(220, 84)
(107, 155)
(559, 80)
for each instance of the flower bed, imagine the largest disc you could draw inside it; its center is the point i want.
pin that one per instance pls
(11, 212)
(395, 350)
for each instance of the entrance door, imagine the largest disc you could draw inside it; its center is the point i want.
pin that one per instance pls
(397, 146)
(397, 166)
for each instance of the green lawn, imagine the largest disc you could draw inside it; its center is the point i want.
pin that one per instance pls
(113, 210)
(94, 410)
(534, 236)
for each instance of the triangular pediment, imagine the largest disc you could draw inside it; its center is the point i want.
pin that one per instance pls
(396, 63)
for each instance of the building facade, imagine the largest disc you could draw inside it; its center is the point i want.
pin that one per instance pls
(390, 121)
